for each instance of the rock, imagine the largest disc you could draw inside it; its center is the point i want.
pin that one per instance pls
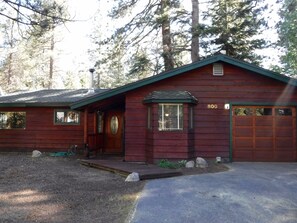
(201, 163)
(190, 164)
(36, 153)
(133, 177)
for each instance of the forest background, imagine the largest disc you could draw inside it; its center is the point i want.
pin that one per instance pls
(53, 44)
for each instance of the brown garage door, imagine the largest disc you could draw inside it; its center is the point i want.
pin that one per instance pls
(263, 133)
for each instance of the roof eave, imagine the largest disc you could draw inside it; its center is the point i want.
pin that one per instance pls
(186, 101)
(172, 73)
(26, 105)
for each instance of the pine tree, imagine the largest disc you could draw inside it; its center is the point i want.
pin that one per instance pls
(234, 27)
(195, 31)
(287, 30)
(29, 60)
(148, 36)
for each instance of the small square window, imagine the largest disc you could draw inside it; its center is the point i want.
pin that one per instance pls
(67, 117)
(263, 111)
(243, 111)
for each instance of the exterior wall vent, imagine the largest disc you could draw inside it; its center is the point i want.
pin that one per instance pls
(218, 69)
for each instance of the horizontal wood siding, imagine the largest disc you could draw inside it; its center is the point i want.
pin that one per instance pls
(135, 129)
(40, 132)
(212, 130)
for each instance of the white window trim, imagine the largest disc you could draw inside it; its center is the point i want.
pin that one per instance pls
(179, 128)
(66, 111)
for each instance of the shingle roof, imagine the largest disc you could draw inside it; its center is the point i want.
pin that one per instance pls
(170, 96)
(52, 97)
(181, 70)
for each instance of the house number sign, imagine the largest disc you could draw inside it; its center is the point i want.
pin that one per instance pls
(212, 106)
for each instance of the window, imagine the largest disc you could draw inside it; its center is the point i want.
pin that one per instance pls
(170, 117)
(149, 117)
(114, 125)
(64, 117)
(243, 111)
(12, 120)
(100, 121)
(263, 111)
(283, 112)
(191, 118)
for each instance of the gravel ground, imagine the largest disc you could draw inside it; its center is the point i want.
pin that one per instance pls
(57, 189)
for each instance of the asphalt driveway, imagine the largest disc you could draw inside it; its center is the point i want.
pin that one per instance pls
(249, 192)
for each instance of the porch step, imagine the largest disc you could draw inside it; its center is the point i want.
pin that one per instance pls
(145, 171)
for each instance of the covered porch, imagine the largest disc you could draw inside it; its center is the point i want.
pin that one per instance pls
(104, 128)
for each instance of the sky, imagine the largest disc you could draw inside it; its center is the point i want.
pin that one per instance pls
(76, 41)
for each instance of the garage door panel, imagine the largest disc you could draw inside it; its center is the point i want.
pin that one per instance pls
(244, 132)
(264, 121)
(264, 133)
(284, 121)
(284, 143)
(243, 121)
(243, 143)
(284, 132)
(264, 143)
(263, 156)
(244, 155)
(285, 156)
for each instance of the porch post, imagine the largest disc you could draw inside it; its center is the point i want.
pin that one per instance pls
(86, 111)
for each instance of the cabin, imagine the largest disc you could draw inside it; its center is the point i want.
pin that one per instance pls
(41, 120)
(216, 107)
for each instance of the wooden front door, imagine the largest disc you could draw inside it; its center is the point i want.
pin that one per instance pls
(114, 129)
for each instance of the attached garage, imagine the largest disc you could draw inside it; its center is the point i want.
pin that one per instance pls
(264, 133)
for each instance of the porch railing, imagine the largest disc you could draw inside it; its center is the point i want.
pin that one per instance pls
(95, 142)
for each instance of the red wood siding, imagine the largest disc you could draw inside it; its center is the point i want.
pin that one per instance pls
(40, 132)
(212, 126)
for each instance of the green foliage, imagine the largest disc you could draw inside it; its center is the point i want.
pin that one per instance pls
(234, 27)
(29, 44)
(287, 30)
(172, 165)
(140, 67)
(141, 37)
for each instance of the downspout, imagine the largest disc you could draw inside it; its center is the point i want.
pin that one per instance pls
(231, 133)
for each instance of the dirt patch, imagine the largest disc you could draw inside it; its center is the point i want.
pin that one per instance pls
(57, 189)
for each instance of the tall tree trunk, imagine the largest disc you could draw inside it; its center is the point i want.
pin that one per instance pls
(195, 31)
(10, 57)
(51, 63)
(166, 36)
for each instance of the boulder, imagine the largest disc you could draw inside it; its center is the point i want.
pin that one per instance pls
(190, 164)
(36, 153)
(201, 163)
(133, 177)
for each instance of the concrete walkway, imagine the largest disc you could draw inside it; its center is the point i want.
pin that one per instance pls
(249, 192)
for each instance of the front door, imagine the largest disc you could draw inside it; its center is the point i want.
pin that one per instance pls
(114, 126)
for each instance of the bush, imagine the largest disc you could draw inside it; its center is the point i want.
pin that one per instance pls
(172, 165)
